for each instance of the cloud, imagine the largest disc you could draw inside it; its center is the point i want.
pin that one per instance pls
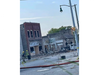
(53, 2)
(33, 18)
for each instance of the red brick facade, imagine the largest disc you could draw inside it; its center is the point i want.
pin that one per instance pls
(32, 27)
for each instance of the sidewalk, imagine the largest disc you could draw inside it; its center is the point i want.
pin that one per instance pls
(54, 58)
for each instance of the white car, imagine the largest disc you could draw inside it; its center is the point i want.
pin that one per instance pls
(73, 46)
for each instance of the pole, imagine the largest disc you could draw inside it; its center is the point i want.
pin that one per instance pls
(76, 38)
(76, 15)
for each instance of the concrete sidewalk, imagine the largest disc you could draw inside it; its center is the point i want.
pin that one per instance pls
(55, 59)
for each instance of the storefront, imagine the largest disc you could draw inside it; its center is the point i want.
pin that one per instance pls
(35, 47)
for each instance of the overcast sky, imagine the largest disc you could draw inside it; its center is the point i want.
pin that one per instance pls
(47, 13)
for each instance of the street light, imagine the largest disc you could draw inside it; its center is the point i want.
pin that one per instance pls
(76, 37)
(64, 5)
(75, 12)
(61, 9)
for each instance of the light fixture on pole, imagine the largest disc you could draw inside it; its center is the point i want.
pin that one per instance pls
(74, 27)
(61, 9)
(75, 12)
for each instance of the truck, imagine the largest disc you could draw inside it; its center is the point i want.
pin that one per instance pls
(69, 47)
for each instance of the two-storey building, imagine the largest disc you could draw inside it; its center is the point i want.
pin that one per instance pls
(31, 37)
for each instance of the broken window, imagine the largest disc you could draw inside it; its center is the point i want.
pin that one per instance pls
(35, 33)
(31, 49)
(31, 33)
(38, 33)
(28, 34)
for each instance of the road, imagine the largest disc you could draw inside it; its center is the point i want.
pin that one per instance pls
(69, 69)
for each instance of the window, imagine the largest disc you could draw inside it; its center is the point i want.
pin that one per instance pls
(38, 33)
(31, 33)
(28, 34)
(35, 33)
(31, 49)
(40, 48)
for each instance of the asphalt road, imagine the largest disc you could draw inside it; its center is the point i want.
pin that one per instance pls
(69, 69)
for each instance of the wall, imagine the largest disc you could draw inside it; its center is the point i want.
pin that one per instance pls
(62, 35)
(22, 34)
(34, 27)
(21, 47)
(45, 41)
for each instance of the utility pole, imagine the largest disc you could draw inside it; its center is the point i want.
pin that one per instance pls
(76, 15)
(76, 37)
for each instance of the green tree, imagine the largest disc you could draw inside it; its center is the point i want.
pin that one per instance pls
(61, 28)
(69, 27)
(55, 30)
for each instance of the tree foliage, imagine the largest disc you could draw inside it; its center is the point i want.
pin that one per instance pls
(55, 30)
(69, 27)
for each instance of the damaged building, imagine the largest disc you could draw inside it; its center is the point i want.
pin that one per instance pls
(56, 41)
(31, 37)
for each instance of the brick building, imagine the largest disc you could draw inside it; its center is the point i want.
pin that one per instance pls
(31, 37)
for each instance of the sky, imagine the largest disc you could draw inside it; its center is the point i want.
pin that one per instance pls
(47, 13)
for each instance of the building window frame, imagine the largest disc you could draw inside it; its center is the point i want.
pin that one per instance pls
(31, 32)
(31, 50)
(35, 32)
(38, 34)
(28, 33)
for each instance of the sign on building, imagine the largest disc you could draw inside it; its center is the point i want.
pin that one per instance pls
(34, 44)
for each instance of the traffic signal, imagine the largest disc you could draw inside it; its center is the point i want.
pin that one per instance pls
(61, 9)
